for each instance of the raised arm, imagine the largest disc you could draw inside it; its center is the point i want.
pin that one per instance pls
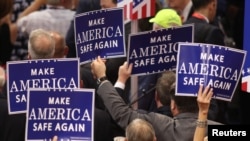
(123, 75)
(116, 106)
(33, 7)
(203, 100)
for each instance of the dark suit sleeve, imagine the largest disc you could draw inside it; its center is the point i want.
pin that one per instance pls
(215, 36)
(121, 112)
(122, 93)
(12, 127)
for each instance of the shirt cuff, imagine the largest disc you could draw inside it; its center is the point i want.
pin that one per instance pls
(119, 85)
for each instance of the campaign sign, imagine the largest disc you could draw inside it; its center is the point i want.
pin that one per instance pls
(207, 64)
(48, 73)
(156, 51)
(100, 33)
(67, 113)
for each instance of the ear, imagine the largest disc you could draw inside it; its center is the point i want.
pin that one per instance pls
(29, 57)
(66, 51)
(172, 105)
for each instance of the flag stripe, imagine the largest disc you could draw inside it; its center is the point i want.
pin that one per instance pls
(143, 9)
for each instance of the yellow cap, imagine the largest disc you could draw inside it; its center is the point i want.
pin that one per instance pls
(166, 18)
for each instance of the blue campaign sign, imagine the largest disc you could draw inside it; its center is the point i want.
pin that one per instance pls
(207, 64)
(48, 73)
(156, 51)
(100, 33)
(67, 113)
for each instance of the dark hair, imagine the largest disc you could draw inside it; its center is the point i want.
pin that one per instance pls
(197, 4)
(163, 86)
(5, 7)
(184, 103)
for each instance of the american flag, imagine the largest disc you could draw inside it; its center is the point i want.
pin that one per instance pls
(127, 8)
(245, 82)
(143, 9)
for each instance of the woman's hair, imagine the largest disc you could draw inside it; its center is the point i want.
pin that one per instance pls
(5, 7)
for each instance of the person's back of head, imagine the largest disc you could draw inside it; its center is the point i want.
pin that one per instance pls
(206, 7)
(61, 48)
(198, 4)
(140, 130)
(163, 86)
(40, 45)
(183, 104)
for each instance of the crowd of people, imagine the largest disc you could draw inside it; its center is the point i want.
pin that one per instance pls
(45, 29)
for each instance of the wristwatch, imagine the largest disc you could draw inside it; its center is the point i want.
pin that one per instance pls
(100, 80)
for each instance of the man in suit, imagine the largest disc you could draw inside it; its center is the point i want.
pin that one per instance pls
(184, 109)
(204, 32)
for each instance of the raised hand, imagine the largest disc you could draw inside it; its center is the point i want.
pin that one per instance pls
(124, 72)
(204, 98)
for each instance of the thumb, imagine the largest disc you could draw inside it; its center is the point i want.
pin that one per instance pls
(55, 138)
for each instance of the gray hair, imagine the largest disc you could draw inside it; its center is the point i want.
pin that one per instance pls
(140, 130)
(41, 45)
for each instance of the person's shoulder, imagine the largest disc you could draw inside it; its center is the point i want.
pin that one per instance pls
(159, 117)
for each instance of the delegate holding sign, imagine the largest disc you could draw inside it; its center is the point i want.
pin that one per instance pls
(47, 73)
(100, 33)
(156, 51)
(207, 64)
(67, 113)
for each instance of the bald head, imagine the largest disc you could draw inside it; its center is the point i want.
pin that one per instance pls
(41, 45)
(61, 49)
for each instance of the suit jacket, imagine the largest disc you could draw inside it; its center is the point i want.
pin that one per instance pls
(12, 126)
(105, 129)
(205, 32)
(210, 34)
(179, 128)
